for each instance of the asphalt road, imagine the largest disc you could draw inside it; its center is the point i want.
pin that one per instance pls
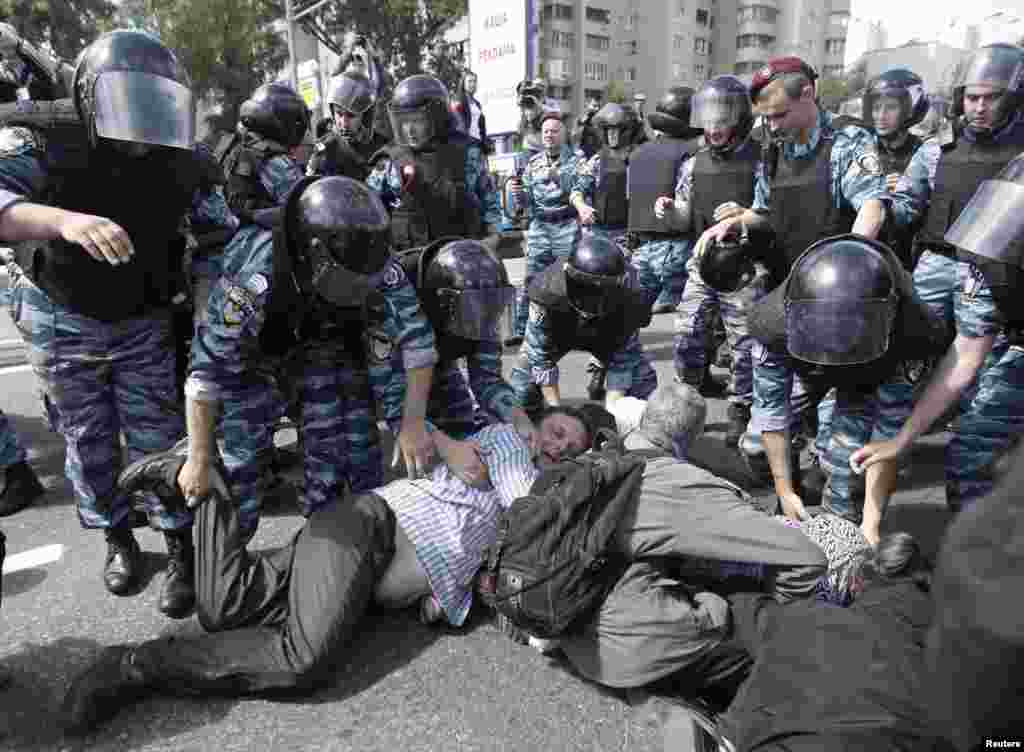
(406, 686)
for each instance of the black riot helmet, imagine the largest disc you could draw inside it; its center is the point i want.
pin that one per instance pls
(901, 86)
(338, 237)
(619, 119)
(128, 86)
(1000, 66)
(671, 115)
(991, 226)
(841, 302)
(423, 100)
(595, 276)
(277, 113)
(728, 265)
(466, 291)
(723, 102)
(353, 93)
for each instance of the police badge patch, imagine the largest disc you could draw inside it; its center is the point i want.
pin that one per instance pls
(392, 276)
(239, 306)
(537, 313)
(379, 346)
(870, 163)
(18, 140)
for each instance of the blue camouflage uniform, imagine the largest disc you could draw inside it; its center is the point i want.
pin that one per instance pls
(387, 182)
(101, 380)
(629, 368)
(333, 381)
(11, 451)
(698, 309)
(553, 231)
(468, 394)
(781, 399)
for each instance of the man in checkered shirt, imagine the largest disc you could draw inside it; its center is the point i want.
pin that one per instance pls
(282, 620)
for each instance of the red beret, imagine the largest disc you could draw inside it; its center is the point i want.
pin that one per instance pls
(776, 67)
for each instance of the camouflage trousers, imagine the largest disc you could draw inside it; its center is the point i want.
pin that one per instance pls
(337, 427)
(11, 451)
(546, 243)
(643, 382)
(661, 267)
(102, 381)
(695, 322)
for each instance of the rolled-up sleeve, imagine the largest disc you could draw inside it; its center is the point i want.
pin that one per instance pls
(909, 202)
(539, 346)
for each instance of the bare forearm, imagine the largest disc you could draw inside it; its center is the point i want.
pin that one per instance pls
(879, 484)
(870, 219)
(776, 447)
(28, 221)
(417, 392)
(201, 419)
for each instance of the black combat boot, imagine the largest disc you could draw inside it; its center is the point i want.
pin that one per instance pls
(178, 595)
(739, 417)
(19, 487)
(703, 382)
(124, 560)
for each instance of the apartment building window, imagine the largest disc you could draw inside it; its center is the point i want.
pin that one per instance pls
(595, 71)
(593, 94)
(560, 92)
(832, 71)
(702, 46)
(761, 41)
(679, 10)
(677, 70)
(632, 20)
(599, 15)
(756, 13)
(557, 11)
(702, 17)
(839, 18)
(742, 69)
(835, 46)
(678, 42)
(629, 75)
(597, 42)
(559, 68)
(563, 39)
(700, 71)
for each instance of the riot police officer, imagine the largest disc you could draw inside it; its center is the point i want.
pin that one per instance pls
(346, 149)
(434, 182)
(590, 303)
(717, 182)
(323, 293)
(662, 249)
(845, 317)
(467, 297)
(542, 194)
(101, 207)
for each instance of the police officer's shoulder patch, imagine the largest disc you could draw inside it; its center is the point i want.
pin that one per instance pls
(392, 277)
(379, 346)
(537, 313)
(257, 284)
(17, 139)
(869, 162)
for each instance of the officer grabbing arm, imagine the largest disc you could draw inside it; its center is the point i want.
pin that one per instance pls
(434, 183)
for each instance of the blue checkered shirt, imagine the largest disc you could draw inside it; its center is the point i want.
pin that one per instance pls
(451, 524)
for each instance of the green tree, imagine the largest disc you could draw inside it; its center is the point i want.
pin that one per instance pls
(400, 30)
(615, 92)
(832, 92)
(228, 46)
(65, 27)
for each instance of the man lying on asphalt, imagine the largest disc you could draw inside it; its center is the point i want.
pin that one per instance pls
(282, 620)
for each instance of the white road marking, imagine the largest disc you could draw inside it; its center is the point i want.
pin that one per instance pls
(34, 557)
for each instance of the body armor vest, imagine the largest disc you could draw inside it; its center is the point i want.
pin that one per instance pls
(601, 337)
(147, 196)
(652, 174)
(895, 161)
(717, 180)
(242, 157)
(803, 210)
(610, 200)
(438, 206)
(333, 155)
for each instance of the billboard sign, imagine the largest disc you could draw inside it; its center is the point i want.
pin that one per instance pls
(498, 55)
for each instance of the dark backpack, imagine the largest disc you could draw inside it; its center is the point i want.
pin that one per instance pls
(552, 562)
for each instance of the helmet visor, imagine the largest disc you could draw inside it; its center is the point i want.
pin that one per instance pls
(143, 108)
(713, 109)
(592, 295)
(992, 223)
(352, 95)
(481, 314)
(412, 127)
(838, 332)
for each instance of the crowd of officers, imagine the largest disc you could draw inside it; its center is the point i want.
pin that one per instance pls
(365, 288)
